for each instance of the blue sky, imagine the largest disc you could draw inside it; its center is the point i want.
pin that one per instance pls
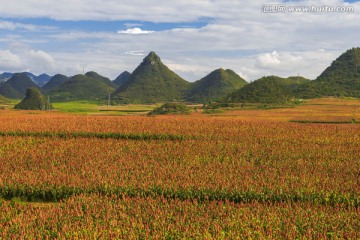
(191, 37)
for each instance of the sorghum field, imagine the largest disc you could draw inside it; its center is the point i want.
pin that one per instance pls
(67, 176)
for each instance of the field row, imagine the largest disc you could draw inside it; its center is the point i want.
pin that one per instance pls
(95, 216)
(128, 136)
(256, 170)
(229, 128)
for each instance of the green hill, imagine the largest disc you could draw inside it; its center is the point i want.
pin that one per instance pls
(90, 86)
(264, 90)
(4, 100)
(16, 86)
(215, 86)
(8, 91)
(55, 81)
(152, 82)
(341, 78)
(121, 79)
(34, 100)
(95, 75)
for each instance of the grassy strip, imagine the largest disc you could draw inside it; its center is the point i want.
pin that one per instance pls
(129, 136)
(55, 194)
(324, 122)
(125, 111)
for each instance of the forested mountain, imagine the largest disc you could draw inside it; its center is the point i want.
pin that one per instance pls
(215, 86)
(16, 86)
(341, 78)
(152, 82)
(121, 79)
(90, 86)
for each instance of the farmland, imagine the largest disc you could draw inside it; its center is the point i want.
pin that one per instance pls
(243, 173)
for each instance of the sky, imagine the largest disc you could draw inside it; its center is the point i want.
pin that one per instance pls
(255, 38)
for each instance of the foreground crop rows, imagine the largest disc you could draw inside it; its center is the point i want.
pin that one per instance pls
(260, 172)
(95, 216)
(54, 168)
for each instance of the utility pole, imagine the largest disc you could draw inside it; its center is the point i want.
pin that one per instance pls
(48, 103)
(109, 100)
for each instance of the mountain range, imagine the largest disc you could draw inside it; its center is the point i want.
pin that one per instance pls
(152, 81)
(40, 80)
(16, 86)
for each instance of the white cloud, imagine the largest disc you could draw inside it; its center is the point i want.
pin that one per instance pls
(106, 64)
(236, 35)
(135, 31)
(31, 60)
(6, 25)
(40, 60)
(9, 61)
(308, 63)
(135, 53)
(277, 60)
(187, 70)
(269, 59)
(130, 25)
(155, 10)
(12, 26)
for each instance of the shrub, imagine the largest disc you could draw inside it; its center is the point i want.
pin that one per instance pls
(170, 108)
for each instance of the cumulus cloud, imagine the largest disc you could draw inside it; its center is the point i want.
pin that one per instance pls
(9, 61)
(135, 31)
(269, 59)
(31, 60)
(277, 60)
(308, 63)
(40, 60)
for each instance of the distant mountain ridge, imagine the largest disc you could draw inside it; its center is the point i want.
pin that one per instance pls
(55, 81)
(40, 80)
(5, 76)
(122, 78)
